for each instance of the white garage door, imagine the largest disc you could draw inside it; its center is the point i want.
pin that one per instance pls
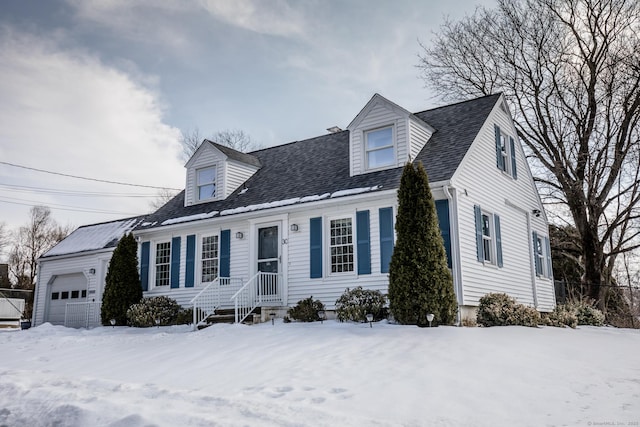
(65, 289)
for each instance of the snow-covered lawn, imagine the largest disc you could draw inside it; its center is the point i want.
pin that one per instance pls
(316, 374)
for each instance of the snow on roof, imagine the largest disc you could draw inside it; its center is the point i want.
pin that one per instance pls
(188, 218)
(93, 237)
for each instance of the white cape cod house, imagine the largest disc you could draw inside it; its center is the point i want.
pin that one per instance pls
(314, 217)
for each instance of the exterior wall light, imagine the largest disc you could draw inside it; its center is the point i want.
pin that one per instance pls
(92, 271)
(294, 227)
(239, 235)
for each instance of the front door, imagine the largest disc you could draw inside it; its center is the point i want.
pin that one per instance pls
(269, 259)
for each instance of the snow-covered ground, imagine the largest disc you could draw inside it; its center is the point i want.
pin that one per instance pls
(316, 374)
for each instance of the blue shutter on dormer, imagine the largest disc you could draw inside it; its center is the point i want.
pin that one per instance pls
(386, 238)
(549, 266)
(190, 268)
(496, 219)
(479, 247)
(499, 158)
(175, 262)
(315, 247)
(512, 144)
(442, 210)
(145, 249)
(225, 253)
(363, 242)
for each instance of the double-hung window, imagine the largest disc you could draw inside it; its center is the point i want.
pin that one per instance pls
(341, 245)
(488, 237)
(505, 152)
(379, 148)
(206, 183)
(209, 258)
(163, 264)
(542, 255)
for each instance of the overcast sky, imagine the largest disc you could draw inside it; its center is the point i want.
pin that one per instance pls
(102, 89)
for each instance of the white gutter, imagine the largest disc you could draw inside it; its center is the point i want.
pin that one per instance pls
(455, 252)
(532, 265)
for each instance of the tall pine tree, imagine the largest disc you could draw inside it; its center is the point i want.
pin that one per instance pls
(419, 280)
(122, 284)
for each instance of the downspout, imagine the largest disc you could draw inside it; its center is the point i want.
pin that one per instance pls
(532, 267)
(36, 291)
(455, 253)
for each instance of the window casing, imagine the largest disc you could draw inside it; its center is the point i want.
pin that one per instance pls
(163, 264)
(379, 148)
(487, 238)
(504, 152)
(540, 251)
(341, 245)
(206, 183)
(209, 258)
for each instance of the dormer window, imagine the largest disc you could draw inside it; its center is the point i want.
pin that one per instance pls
(379, 147)
(206, 178)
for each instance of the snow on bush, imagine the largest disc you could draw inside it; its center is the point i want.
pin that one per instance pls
(497, 309)
(146, 312)
(306, 310)
(574, 313)
(354, 304)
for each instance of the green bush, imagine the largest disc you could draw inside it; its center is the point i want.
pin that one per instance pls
(145, 313)
(574, 313)
(561, 317)
(185, 316)
(498, 309)
(306, 310)
(354, 304)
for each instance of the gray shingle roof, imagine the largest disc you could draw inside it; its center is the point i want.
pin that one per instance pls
(236, 155)
(320, 165)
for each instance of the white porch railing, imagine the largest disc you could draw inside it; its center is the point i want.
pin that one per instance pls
(261, 289)
(82, 314)
(213, 296)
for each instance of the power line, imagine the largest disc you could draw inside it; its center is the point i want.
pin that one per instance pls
(88, 179)
(31, 203)
(29, 189)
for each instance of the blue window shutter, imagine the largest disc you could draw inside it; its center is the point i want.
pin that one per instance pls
(514, 171)
(175, 262)
(144, 265)
(479, 246)
(535, 252)
(315, 247)
(225, 253)
(499, 158)
(442, 210)
(190, 268)
(549, 265)
(386, 238)
(496, 219)
(364, 242)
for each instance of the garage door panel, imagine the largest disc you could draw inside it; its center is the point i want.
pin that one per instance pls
(65, 289)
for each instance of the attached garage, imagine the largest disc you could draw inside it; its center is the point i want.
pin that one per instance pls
(66, 288)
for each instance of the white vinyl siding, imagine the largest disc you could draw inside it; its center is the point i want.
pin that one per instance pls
(236, 174)
(207, 157)
(492, 192)
(419, 134)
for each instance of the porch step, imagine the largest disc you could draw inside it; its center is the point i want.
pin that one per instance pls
(226, 315)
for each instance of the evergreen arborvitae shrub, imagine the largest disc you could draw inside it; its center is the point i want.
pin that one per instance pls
(122, 284)
(146, 312)
(306, 310)
(419, 279)
(497, 309)
(354, 304)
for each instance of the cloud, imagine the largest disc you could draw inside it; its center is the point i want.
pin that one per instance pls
(66, 111)
(270, 18)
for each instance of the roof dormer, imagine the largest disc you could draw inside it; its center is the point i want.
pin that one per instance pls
(384, 136)
(215, 171)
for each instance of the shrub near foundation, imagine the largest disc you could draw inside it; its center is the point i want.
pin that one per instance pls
(354, 304)
(497, 309)
(306, 310)
(145, 313)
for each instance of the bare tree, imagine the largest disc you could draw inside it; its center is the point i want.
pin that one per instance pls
(237, 139)
(571, 71)
(4, 238)
(30, 242)
(162, 198)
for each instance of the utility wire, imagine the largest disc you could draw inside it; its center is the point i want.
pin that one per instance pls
(88, 179)
(65, 207)
(28, 189)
